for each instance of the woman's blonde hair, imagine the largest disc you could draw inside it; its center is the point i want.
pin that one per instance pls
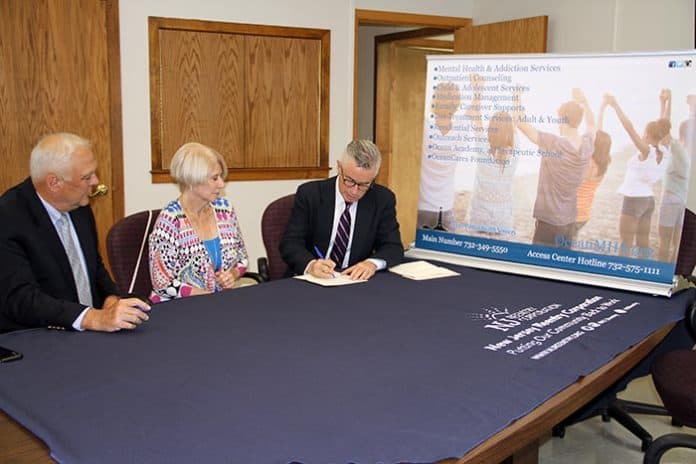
(193, 163)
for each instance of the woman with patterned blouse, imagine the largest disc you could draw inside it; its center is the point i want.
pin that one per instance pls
(196, 246)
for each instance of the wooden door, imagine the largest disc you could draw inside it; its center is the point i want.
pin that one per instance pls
(60, 72)
(400, 99)
(527, 35)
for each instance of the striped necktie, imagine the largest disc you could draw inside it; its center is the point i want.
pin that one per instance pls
(338, 252)
(81, 282)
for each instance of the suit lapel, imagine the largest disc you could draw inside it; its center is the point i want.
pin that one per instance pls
(325, 216)
(366, 211)
(42, 222)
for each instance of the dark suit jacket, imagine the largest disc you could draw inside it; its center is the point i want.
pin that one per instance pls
(37, 288)
(376, 233)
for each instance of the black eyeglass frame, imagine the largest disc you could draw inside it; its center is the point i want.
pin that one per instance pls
(350, 182)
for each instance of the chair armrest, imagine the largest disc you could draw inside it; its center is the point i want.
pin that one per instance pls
(262, 266)
(255, 276)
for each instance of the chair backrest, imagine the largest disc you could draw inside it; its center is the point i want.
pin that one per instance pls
(690, 320)
(127, 247)
(686, 259)
(273, 222)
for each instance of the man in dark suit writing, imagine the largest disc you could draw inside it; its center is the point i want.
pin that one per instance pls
(51, 272)
(346, 222)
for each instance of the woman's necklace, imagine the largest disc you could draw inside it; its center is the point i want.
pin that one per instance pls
(199, 221)
(205, 230)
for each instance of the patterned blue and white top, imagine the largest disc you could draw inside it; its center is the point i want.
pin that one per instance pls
(178, 258)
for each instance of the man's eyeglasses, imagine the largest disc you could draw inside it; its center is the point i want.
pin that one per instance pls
(350, 182)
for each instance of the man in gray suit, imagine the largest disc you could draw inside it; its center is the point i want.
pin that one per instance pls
(51, 272)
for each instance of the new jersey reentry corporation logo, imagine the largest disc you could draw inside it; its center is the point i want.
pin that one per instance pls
(490, 314)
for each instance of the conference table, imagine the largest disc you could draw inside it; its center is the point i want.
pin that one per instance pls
(470, 369)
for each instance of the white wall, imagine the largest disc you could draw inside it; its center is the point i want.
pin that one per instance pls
(601, 25)
(592, 25)
(650, 25)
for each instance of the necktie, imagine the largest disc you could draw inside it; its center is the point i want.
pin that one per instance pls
(81, 282)
(338, 252)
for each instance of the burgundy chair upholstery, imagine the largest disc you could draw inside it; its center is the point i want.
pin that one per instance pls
(674, 375)
(125, 242)
(686, 259)
(273, 222)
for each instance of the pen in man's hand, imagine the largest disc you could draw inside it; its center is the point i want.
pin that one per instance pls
(320, 255)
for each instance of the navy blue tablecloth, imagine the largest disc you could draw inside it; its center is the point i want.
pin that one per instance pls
(387, 371)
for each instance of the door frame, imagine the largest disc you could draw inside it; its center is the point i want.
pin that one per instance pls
(397, 19)
(416, 38)
(113, 44)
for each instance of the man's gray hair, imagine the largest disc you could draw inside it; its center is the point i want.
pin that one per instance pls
(53, 154)
(365, 154)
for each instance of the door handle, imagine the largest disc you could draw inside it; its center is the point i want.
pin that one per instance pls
(100, 191)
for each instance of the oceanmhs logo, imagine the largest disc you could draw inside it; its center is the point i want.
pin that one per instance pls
(680, 63)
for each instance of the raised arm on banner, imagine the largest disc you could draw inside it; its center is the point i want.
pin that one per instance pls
(527, 129)
(580, 98)
(473, 111)
(637, 140)
(666, 104)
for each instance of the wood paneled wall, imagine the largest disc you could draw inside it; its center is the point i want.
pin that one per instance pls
(256, 94)
(60, 72)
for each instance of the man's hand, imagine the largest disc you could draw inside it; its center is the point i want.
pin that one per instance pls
(665, 95)
(579, 96)
(322, 268)
(110, 301)
(691, 101)
(610, 100)
(127, 313)
(361, 271)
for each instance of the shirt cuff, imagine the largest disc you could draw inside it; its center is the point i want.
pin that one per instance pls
(309, 264)
(77, 324)
(380, 263)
